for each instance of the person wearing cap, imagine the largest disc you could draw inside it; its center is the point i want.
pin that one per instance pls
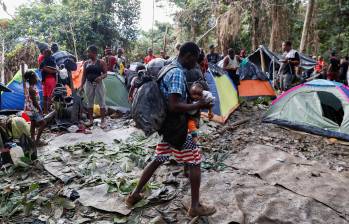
(150, 56)
(213, 57)
(109, 59)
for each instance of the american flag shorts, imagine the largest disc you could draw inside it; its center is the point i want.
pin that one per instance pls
(190, 154)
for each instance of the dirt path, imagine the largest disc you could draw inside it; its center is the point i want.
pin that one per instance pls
(97, 174)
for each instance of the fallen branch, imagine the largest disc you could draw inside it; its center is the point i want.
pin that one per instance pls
(233, 126)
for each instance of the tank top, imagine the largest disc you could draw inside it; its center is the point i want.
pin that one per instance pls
(233, 63)
(93, 71)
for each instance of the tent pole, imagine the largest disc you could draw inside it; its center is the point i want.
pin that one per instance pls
(262, 61)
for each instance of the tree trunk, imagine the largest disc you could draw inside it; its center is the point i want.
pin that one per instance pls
(274, 27)
(255, 21)
(280, 25)
(308, 17)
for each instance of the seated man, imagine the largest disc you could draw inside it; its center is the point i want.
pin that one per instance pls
(17, 130)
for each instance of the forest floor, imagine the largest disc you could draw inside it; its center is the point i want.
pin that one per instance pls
(253, 172)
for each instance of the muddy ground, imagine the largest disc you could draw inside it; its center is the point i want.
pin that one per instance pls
(33, 195)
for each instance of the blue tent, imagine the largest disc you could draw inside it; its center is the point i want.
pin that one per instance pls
(15, 100)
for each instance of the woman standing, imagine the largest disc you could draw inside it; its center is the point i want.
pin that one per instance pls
(95, 70)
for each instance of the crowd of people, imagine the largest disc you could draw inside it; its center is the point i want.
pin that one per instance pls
(185, 95)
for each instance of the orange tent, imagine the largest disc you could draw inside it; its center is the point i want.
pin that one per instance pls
(252, 88)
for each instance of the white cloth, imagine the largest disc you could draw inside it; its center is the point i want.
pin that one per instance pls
(207, 96)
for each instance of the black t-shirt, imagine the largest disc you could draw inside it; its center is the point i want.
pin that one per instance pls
(48, 61)
(334, 62)
(213, 58)
(343, 70)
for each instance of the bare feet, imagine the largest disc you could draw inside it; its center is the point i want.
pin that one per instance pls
(202, 210)
(131, 199)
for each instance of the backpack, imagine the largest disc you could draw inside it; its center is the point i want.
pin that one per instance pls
(149, 106)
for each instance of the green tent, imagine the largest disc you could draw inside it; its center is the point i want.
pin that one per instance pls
(116, 92)
(320, 107)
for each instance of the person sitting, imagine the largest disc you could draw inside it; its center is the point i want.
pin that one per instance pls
(150, 56)
(48, 70)
(33, 109)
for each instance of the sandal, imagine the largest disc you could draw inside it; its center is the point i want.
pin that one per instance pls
(202, 211)
(131, 201)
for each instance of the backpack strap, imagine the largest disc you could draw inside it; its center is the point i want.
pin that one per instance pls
(165, 70)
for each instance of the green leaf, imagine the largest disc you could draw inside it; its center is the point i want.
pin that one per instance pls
(120, 219)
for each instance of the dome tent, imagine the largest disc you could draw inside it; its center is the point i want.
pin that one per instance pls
(320, 107)
(225, 93)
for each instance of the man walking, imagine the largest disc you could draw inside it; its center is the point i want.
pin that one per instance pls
(177, 144)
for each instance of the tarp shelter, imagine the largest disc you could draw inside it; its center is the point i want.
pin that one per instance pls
(268, 62)
(320, 107)
(15, 100)
(253, 81)
(224, 91)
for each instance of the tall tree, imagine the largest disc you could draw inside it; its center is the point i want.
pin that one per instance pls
(307, 21)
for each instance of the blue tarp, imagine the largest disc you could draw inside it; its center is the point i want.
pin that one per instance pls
(15, 99)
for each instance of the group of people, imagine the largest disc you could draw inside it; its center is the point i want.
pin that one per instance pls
(335, 70)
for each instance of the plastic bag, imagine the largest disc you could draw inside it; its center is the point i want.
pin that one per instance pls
(149, 108)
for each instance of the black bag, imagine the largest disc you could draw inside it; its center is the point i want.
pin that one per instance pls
(149, 106)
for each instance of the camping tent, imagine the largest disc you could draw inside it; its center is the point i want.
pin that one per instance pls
(268, 61)
(224, 91)
(116, 93)
(319, 107)
(15, 100)
(253, 81)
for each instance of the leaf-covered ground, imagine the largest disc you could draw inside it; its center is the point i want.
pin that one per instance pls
(86, 181)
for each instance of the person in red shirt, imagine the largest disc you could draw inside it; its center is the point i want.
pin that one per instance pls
(320, 66)
(48, 71)
(109, 59)
(150, 56)
(42, 47)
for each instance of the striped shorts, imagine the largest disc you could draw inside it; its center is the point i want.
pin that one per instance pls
(189, 155)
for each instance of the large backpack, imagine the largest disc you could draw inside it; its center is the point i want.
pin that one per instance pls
(149, 107)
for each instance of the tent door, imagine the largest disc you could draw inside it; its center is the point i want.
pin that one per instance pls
(331, 106)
